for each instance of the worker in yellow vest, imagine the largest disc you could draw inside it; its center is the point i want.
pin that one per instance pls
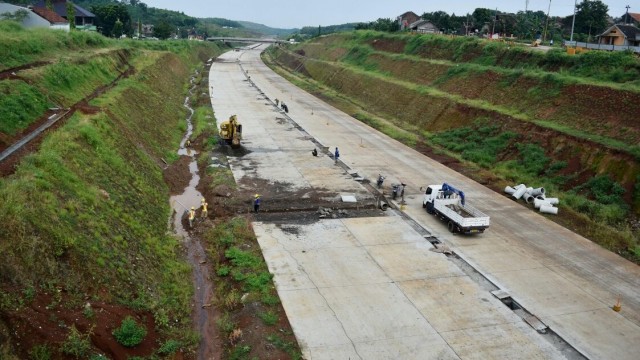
(204, 209)
(192, 216)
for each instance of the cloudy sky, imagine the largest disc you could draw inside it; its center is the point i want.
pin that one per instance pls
(299, 13)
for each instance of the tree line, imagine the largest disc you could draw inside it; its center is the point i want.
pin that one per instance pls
(116, 18)
(591, 19)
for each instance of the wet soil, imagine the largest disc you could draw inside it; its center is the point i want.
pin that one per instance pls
(46, 321)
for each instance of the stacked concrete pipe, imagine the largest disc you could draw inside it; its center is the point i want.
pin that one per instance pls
(536, 196)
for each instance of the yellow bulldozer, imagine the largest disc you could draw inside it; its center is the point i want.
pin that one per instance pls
(231, 131)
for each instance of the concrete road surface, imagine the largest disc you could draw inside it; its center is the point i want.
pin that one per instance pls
(370, 288)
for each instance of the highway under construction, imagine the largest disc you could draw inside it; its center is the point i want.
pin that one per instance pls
(359, 282)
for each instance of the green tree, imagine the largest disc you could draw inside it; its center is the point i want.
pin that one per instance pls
(591, 17)
(17, 16)
(381, 24)
(117, 28)
(482, 16)
(71, 15)
(108, 15)
(163, 30)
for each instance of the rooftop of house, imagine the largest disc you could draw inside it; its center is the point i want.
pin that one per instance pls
(629, 31)
(60, 7)
(49, 15)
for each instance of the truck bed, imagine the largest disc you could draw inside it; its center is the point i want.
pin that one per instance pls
(460, 210)
(465, 216)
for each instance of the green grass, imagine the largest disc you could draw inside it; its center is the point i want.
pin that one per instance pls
(88, 211)
(19, 46)
(20, 105)
(480, 145)
(269, 318)
(245, 267)
(288, 347)
(615, 67)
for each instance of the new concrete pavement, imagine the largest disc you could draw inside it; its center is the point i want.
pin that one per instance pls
(370, 288)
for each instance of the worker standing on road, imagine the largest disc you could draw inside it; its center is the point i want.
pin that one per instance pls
(256, 203)
(192, 216)
(314, 152)
(336, 155)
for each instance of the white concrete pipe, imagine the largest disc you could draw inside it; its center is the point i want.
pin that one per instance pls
(509, 190)
(552, 201)
(383, 206)
(537, 191)
(529, 190)
(549, 210)
(537, 203)
(541, 197)
(528, 198)
(519, 192)
(520, 186)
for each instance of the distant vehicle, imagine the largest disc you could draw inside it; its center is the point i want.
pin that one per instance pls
(448, 204)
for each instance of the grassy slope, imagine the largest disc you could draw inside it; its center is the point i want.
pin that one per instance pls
(88, 212)
(552, 120)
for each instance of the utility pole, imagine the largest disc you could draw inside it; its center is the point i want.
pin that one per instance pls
(493, 30)
(573, 23)
(466, 26)
(544, 36)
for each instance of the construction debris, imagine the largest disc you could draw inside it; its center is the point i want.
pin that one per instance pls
(330, 213)
(441, 249)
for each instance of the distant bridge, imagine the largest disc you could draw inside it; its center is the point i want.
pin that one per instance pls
(247, 40)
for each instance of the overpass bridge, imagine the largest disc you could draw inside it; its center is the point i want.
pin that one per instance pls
(245, 40)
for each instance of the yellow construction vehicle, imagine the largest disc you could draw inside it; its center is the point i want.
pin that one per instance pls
(231, 131)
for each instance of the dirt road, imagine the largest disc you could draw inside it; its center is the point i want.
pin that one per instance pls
(370, 288)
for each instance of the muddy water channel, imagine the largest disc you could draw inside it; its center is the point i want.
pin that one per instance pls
(203, 313)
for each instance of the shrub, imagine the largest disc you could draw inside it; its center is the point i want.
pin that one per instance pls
(40, 352)
(269, 317)
(603, 189)
(77, 344)
(169, 347)
(223, 271)
(129, 333)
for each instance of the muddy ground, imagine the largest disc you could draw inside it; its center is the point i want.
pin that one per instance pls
(225, 203)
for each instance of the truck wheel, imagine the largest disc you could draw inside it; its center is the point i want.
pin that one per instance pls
(429, 207)
(451, 226)
(424, 205)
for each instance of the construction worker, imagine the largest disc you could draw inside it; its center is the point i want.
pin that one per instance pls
(192, 216)
(204, 209)
(256, 203)
(314, 152)
(336, 155)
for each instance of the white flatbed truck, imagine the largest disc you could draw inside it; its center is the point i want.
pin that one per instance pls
(448, 204)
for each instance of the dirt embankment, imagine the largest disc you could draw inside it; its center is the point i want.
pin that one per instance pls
(115, 266)
(585, 130)
(588, 109)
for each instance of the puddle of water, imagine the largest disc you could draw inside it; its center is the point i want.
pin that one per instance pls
(203, 310)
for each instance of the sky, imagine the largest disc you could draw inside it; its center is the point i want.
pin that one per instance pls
(288, 14)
